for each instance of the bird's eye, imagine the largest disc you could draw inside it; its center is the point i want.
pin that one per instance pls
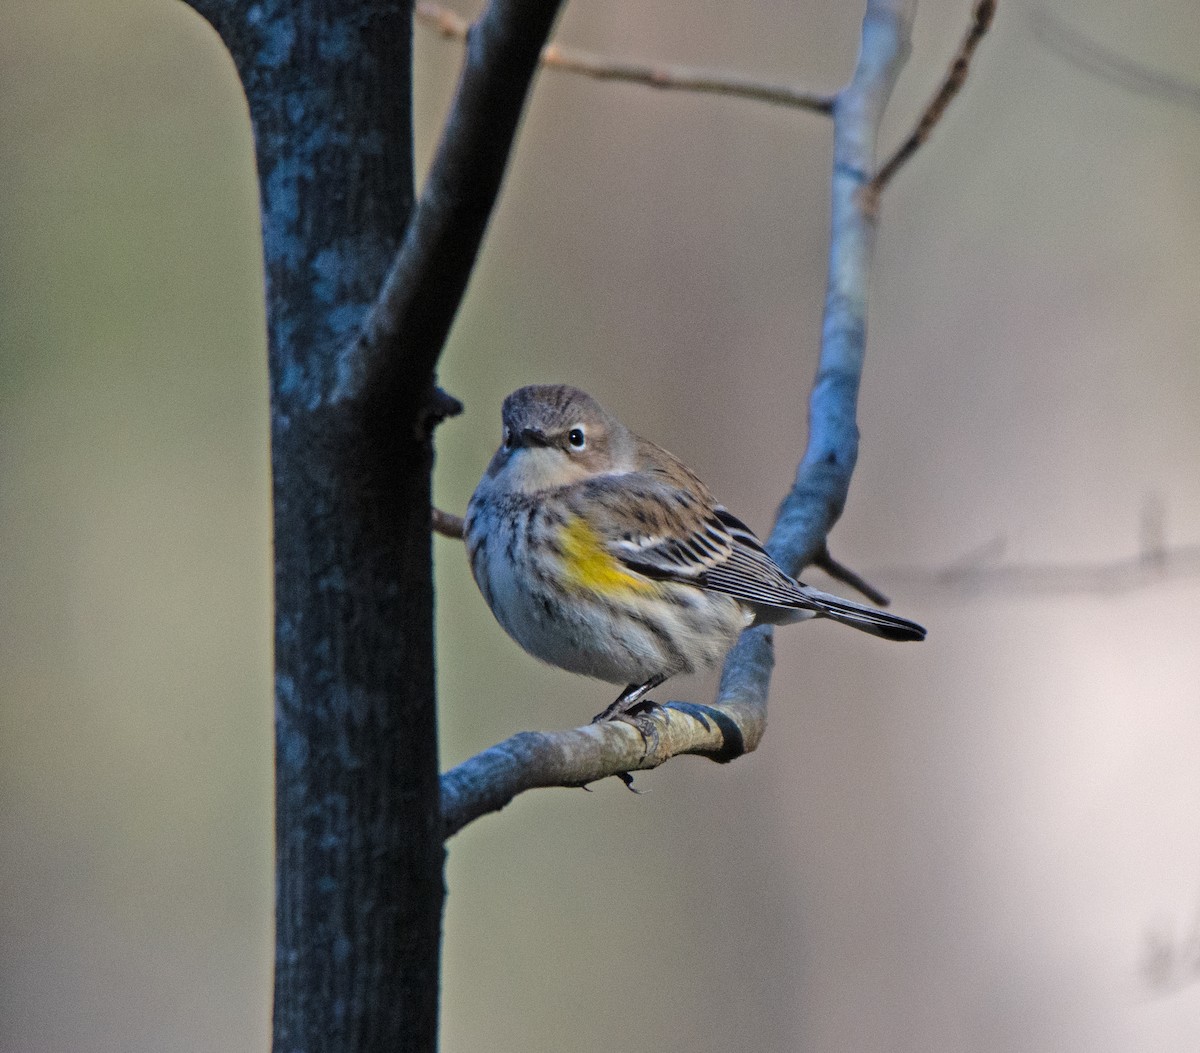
(508, 439)
(576, 438)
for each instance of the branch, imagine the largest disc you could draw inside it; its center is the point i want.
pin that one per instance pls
(408, 324)
(1112, 66)
(657, 75)
(822, 481)
(956, 76)
(532, 759)
(735, 724)
(840, 572)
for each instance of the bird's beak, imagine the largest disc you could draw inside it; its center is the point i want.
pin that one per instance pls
(534, 437)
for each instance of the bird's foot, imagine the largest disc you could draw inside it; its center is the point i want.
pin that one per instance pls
(628, 712)
(633, 708)
(640, 717)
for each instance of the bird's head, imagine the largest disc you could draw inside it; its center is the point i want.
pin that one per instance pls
(554, 435)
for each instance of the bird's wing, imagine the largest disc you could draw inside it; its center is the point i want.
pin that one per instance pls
(669, 533)
(663, 532)
(751, 574)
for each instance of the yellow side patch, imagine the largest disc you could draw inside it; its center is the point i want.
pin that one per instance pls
(588, 565)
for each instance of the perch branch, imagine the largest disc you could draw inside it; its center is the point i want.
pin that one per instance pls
(956, 76)
(533, 759)
(652, 75)
(735, 724)
(408, 324)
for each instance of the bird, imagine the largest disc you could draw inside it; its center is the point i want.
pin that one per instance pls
(603, 554)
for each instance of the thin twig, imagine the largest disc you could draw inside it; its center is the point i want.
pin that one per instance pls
(956, 76)
(840, 572)
(1111, 65)
(652, 75)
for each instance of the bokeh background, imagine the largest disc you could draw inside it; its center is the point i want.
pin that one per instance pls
(988, 842)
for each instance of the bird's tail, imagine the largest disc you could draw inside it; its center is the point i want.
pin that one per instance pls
(860, 616)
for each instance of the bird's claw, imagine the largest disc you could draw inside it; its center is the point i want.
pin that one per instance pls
(627, 778)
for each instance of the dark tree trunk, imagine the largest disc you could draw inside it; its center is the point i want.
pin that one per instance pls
(359, 853)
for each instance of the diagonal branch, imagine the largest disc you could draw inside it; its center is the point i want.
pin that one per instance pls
(840, 572)
(735, 724)
(408, 324)
(652, 75)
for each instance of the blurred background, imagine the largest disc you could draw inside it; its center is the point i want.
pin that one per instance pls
(987, 842)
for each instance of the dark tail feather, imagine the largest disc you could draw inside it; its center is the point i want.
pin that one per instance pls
(868, 619)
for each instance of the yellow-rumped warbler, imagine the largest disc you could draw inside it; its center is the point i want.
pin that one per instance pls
(602, 554)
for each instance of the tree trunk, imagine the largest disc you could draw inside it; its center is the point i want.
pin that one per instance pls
(359, 852)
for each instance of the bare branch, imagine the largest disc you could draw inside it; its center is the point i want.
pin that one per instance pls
(652, 75)
(1112, 66)
(956, 76)
(735, 724)
(408, 324)
(822, 481)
